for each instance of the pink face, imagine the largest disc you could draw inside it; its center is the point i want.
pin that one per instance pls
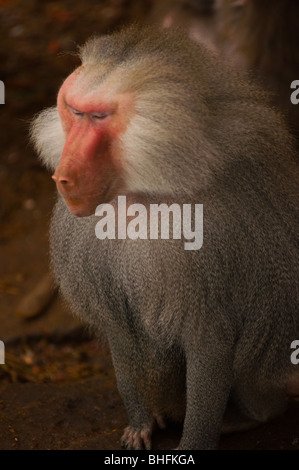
(90, 169)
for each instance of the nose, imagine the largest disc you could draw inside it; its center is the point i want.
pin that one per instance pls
(66, 184)
(62, 179)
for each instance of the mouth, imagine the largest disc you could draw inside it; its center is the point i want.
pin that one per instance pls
(85, 205)
(80, 207)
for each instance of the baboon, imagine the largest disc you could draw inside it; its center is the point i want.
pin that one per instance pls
(152, 116)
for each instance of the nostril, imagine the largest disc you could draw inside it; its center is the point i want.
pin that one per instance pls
(62, 180)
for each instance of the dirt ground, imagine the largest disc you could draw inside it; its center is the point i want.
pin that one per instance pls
(57, 388)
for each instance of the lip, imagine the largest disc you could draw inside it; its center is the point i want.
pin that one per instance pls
(79, 198)
(84, 205)
(79, 207)
(73, 200)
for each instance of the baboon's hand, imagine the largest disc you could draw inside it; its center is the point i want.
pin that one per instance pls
(137, 439)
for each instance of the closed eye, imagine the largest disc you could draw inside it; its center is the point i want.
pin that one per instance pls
(95, 116)
(99, 115)
(75, 111)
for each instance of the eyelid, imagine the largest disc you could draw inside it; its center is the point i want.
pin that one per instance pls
(99, 115)
(75, 111)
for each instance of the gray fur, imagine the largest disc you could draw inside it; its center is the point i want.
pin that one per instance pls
(191, 331)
